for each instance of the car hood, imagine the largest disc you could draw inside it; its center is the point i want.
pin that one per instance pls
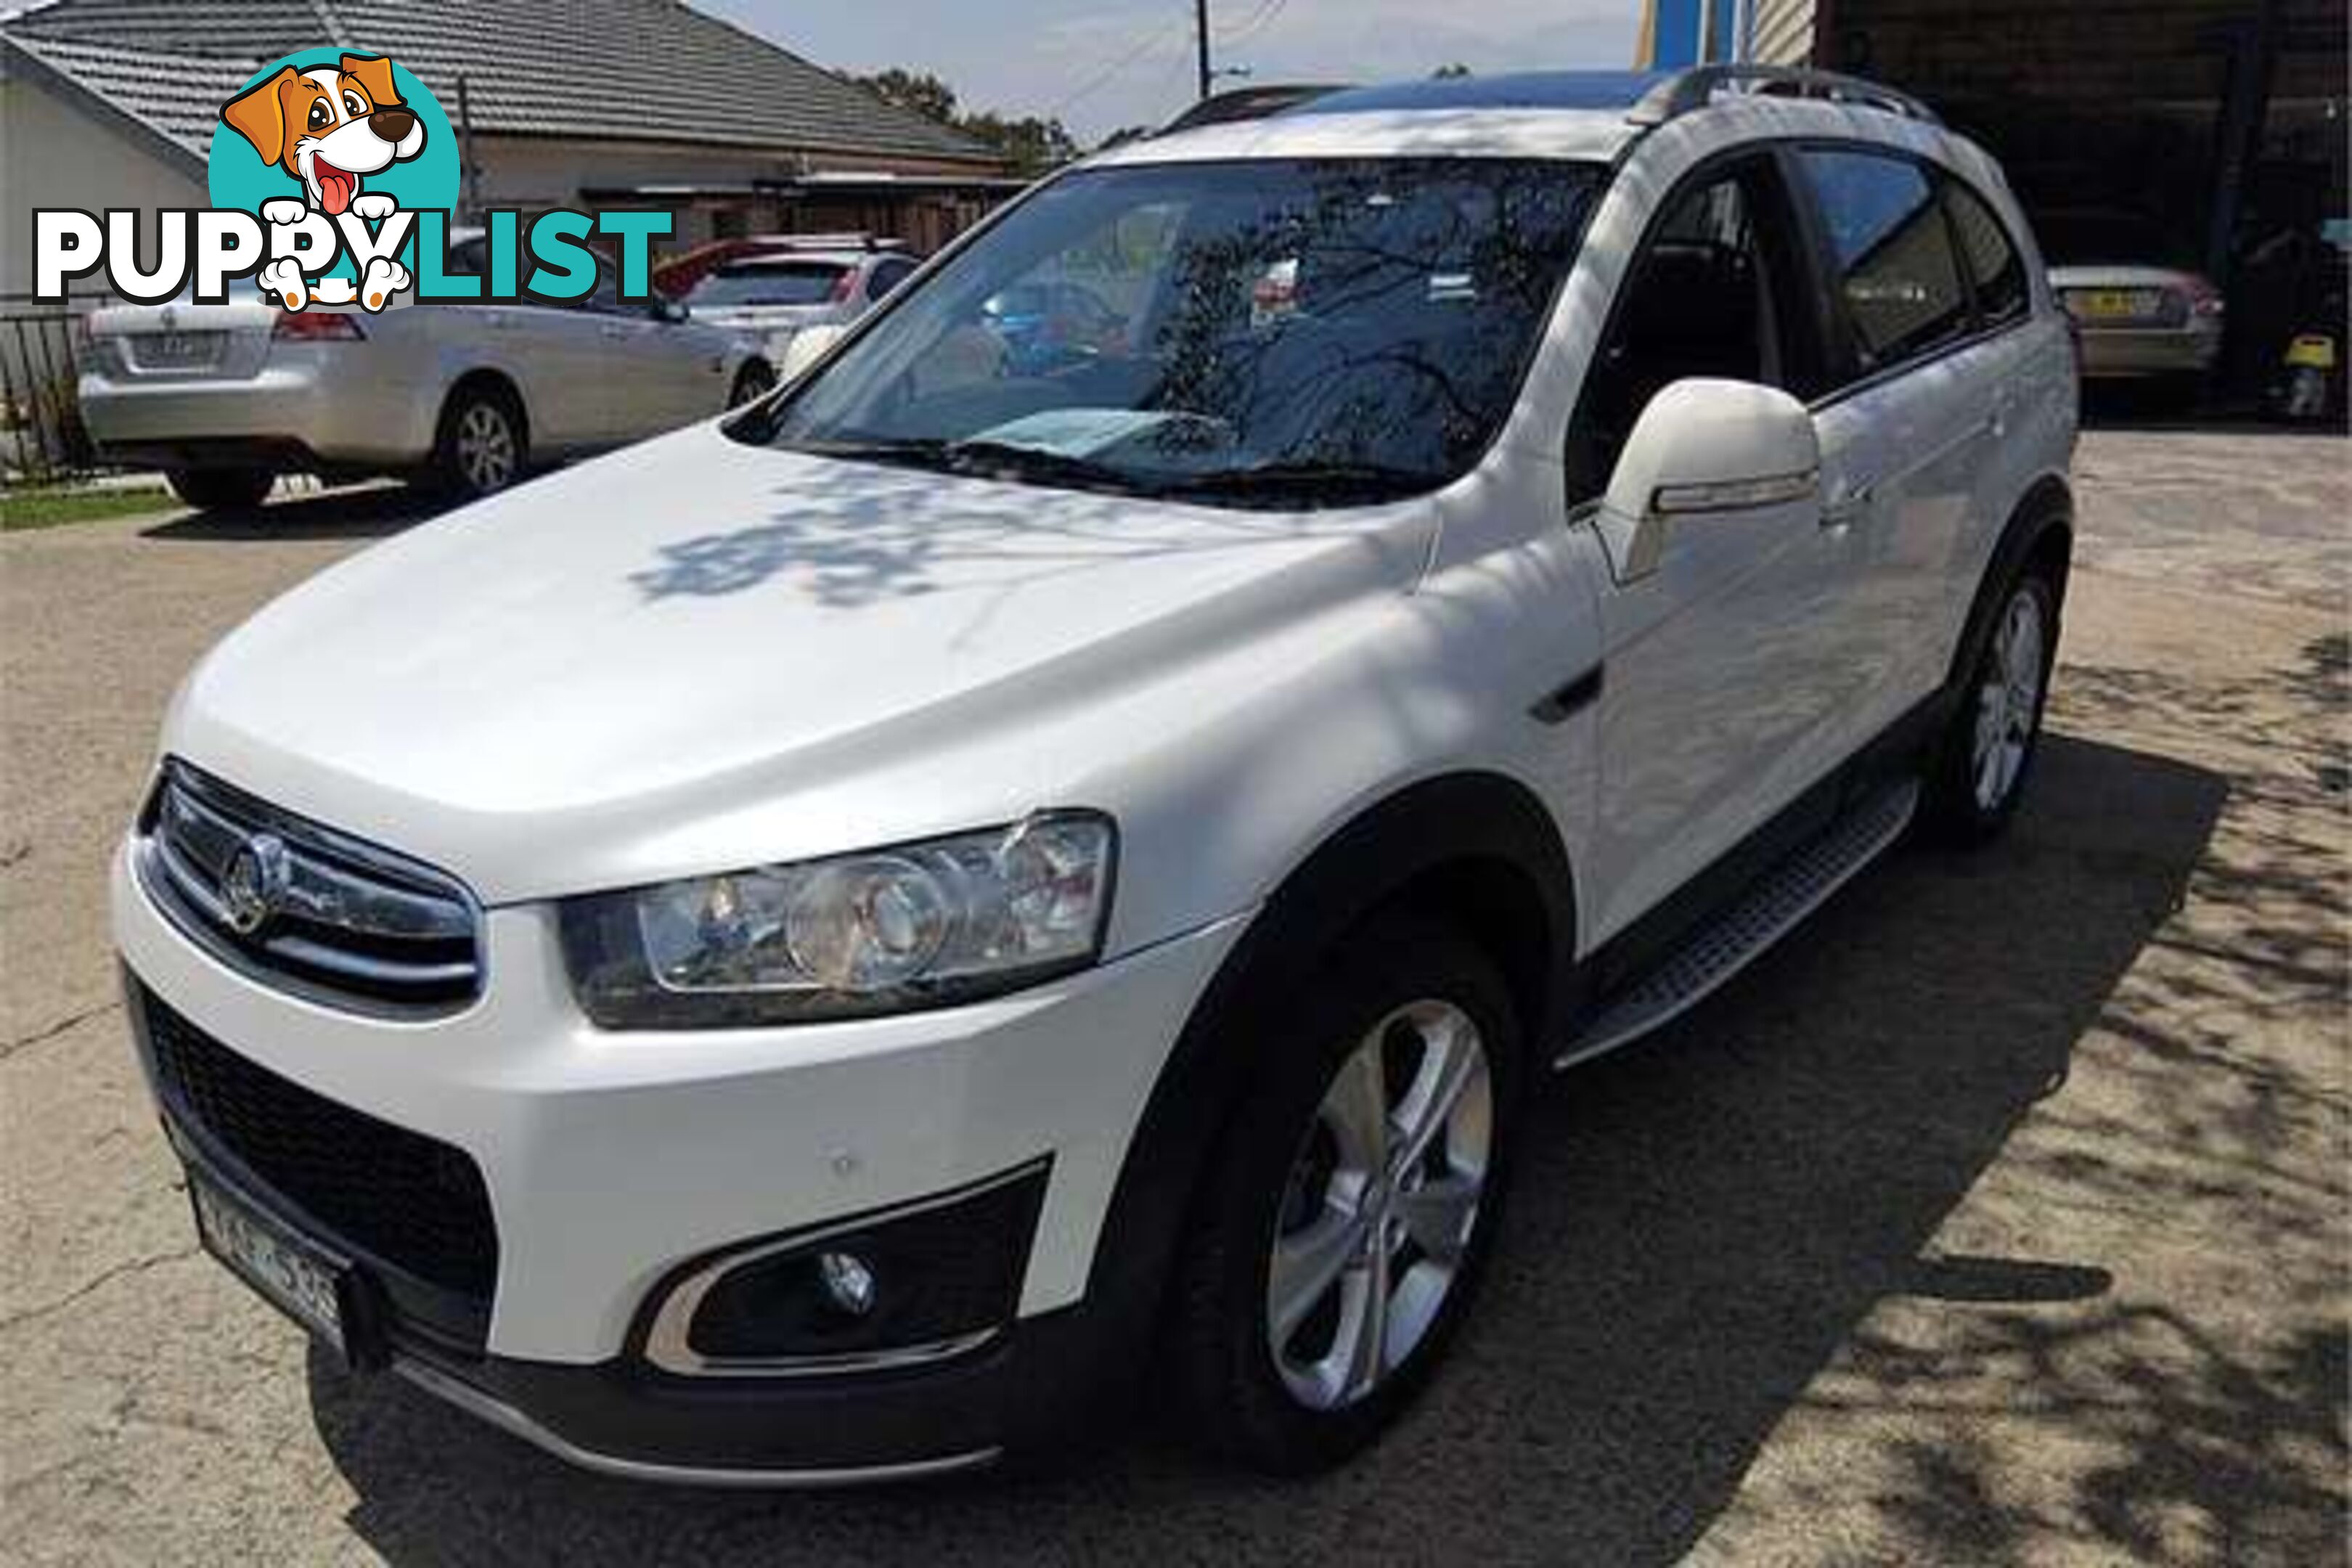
(582, 681)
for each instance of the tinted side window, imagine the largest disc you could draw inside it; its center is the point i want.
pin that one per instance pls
(1995, 270)
(1892, 252)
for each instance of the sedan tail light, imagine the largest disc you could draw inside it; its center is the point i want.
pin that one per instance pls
(2204, 300)
(317, 326)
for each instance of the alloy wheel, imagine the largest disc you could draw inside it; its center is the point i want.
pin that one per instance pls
(485, 447)
(2008, 701)
(1380, 1205)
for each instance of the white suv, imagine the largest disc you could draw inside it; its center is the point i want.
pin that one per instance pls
(823, 946)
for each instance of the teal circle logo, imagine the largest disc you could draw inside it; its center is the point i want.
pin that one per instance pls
(326, 127)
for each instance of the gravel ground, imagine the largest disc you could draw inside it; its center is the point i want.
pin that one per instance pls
(2001, 1218)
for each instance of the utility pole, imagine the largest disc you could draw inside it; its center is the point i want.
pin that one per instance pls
(471, 169)
(1201, 26)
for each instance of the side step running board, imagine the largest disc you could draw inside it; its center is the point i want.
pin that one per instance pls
(1770, 908)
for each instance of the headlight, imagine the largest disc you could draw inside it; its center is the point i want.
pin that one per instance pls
(920, 925)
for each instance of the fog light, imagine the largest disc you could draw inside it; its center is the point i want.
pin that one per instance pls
(788, 1306)
(847, 1281)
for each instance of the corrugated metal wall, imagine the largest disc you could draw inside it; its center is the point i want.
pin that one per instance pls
(1782, 33)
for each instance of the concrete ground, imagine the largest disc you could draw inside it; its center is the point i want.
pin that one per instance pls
(2000, 1219)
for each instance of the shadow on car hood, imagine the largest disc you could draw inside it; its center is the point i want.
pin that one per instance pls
(655, 637)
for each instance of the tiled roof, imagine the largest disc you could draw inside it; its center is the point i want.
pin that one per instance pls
(175, 97)
(636, 70)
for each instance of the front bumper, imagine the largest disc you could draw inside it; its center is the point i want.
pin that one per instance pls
(613, 1159)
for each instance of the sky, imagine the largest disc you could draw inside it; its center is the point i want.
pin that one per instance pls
(1102, 64)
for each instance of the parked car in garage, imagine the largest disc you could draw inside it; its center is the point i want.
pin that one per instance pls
(2136, 315)
(224, 398)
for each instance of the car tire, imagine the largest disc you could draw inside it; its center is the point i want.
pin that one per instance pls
(754, 382)
(215, 489)
(1272, 1323)
(1985, 757)
(481, 446)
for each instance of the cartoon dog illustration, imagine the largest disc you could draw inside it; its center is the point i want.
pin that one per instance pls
(329, 127)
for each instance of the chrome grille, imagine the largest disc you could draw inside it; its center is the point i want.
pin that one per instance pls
(303, 907)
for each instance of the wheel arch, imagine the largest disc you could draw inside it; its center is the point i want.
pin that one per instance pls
(490, 378)
(2040, 529)
(1476, 850)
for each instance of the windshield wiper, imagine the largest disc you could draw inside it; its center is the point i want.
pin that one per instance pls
(1012, 460)
(983, 459)
(1316, 479)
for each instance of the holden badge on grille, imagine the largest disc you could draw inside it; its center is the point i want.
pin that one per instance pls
(255, 883)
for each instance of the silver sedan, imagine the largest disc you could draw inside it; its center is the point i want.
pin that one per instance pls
(223, 398)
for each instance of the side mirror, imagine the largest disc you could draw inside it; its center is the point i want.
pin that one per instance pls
(808, 345)
(1703, 447)
(668, 311)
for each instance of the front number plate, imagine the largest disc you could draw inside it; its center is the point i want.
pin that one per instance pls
(298, 1281)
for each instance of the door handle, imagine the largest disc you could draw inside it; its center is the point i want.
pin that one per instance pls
(1997, 422)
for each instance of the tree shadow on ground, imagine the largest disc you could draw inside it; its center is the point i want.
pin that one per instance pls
(1701, 1226)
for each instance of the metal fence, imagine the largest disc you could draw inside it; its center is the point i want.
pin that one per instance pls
(41, 436)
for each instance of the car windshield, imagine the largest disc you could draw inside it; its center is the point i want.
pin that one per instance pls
(1293, 333)
(778, 283)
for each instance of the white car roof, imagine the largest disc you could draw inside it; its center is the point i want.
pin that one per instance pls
(1585, 135)
(1588, 116)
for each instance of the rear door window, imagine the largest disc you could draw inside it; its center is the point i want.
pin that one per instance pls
(1891, 254)
(1996, 271)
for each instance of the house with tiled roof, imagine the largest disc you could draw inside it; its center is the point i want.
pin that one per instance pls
(618, 104)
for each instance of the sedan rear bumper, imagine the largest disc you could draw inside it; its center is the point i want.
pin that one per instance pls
(286, 415)
(2150, 351)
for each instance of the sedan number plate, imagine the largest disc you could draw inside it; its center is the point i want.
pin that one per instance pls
(180, 351)
(2110, 304)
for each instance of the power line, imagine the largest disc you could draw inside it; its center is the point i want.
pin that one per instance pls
(1259, 21)
(1102, 78)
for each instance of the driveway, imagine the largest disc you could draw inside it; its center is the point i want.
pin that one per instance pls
(2001, 1218)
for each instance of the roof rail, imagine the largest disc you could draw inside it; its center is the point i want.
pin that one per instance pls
(1695, 88)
